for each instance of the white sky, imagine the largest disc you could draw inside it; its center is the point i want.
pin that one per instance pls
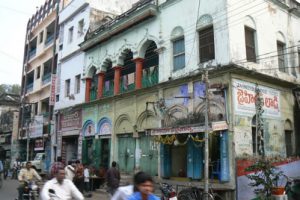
(14, 15)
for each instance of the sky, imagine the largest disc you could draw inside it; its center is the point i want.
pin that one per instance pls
(14, 15)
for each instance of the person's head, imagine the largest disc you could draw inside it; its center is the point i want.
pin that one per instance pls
(28, 165)
(114, 164)
(143, 183)
(58, 159)
(60, 175)
(70, 162)
(77, 162)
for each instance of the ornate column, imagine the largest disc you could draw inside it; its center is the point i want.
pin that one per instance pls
(101, 77)
(88, 84)
(117, 77)
(139, 62)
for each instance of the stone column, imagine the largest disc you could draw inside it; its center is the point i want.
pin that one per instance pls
(88, 84)
(139, 62)
(101, 77)
(117, 78)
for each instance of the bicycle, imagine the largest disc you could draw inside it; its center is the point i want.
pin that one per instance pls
(194, 193)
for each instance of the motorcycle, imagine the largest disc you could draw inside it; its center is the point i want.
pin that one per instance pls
(31, 191)
(168, 192)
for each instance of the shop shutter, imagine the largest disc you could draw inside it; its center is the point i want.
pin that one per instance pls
(84, 151)
(194, 160)
(97, 153)
(165, 160)
(224, 157)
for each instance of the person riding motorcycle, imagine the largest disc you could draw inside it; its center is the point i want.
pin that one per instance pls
(26, 175)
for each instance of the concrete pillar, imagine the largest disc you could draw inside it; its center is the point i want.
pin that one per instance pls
(117, 79)
(139, 62)
(101, 77)
(88, 84)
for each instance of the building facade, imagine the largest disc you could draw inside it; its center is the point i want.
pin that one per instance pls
(144, 91)
(38, 82)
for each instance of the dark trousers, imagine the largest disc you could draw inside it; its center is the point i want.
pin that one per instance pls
(79, 183)
(87, 186)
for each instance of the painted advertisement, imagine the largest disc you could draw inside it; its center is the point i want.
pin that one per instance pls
(36, 127)
(52, 93)
(244, 96)
(70, 120)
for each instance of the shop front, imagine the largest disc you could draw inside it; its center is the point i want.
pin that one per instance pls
(68, 134)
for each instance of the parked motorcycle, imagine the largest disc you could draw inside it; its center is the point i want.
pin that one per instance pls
(31, 191)
(168, 192)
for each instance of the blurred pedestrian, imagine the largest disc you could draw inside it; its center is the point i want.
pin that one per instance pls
(113, 178)
(144, 188)
(56, 165)
(86, 174)
(79, 178)
(70, 171)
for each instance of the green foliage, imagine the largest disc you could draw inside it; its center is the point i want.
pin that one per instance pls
(5, 88)
(265, 177)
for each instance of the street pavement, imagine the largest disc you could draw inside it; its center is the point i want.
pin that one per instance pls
(9, 192)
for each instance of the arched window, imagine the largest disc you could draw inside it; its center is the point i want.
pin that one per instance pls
(177, 37)
(281, 50)
(250, 39)
(128, 72)
(94, 84)
(108, 89)
(150, 68)
(206, 38)
(288, 132)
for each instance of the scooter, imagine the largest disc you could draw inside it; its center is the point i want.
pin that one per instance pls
(31, 191)
(168, 192)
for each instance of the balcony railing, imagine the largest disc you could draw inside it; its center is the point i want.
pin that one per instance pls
(108, 89)
(93, 94)
(29, 87)
(150, 76)
(32, 53)
(127, 83)
(49, 40)
(46, 78)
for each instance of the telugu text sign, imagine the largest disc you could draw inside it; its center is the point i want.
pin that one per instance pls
(244, 99)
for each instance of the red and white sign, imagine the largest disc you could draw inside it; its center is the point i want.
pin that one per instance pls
(244, 97)
(219, 126)
(52, 94)
(39, 144)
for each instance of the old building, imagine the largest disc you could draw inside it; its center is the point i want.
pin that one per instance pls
(76, 19)
(9, 108)
(144, 90)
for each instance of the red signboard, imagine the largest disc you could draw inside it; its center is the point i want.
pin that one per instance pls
(52, 94)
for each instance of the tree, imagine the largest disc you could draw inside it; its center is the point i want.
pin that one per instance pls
(14, 88)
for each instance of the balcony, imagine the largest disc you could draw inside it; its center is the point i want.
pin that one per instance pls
(108, 89)
(150, 77)
(46, 78)
(49, 40)
(32, 53)
(127, 83)
(29, 87)
(93, 94)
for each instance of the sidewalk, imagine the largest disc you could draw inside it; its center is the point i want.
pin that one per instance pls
(99, 194)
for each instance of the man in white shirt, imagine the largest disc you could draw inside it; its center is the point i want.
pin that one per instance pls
(60, 188)
(123, 193)
(70, 171)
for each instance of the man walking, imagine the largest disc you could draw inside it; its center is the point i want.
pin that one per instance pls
(113, 178)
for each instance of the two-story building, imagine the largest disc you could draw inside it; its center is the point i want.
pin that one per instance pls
(144, 89)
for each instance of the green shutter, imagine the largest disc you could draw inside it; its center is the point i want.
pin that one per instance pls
(84, 151)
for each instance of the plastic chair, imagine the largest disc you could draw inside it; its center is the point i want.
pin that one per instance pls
(216, 170)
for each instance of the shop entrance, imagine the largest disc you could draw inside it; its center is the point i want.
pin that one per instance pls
(149, 155)
(105, 153)
(69, 149)
(126, 153)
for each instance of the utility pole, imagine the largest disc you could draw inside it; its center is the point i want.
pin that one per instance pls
(206, 153)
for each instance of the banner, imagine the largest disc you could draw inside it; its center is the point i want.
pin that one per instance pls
(39, 144)
(36, 127)
(70, 120)
(244, 97)
(52, 90)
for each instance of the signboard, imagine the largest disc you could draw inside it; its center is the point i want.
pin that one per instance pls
(36, 127)
(70, 120)
(225, 173)
(218, 126)
(244, 99)
(39, 144)
(179, 130)
(52, 90)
